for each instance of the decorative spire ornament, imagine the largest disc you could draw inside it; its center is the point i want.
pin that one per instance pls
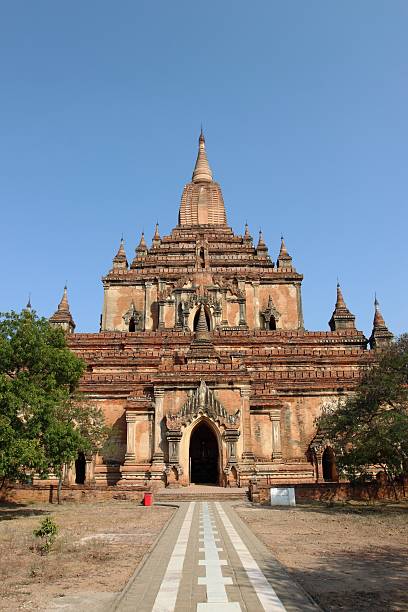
(381, 335)
(202, 171)
(247, 234)
(341, 318)
(120, 259)
(141, 249)
(156, 238)
(284, 261)
(62, 316)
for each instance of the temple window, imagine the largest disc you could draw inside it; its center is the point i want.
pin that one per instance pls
(202, 258)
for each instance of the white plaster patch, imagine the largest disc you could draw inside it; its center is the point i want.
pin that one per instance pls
(111, 537)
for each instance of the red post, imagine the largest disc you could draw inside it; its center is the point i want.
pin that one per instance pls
(148, 499)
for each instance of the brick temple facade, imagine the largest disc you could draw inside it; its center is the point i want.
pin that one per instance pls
(202, 365)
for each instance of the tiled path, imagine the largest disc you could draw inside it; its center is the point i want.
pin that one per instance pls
(208, 560)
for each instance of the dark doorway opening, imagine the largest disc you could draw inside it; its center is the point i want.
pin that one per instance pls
(203, 455)
(272, 323)
(202, 258)
(80, 465)
(329, 465)
(132, 325)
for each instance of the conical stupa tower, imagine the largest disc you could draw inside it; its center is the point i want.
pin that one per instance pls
(202, 202)
(341, 318)
(381, 335)
(62, 316)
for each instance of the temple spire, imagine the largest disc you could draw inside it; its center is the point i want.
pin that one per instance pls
(156, 238)
(202, 202)
(380, 336)
(64, 305)
(261, 248)
(141, 249)
(202, 171)
(62, 316)
(247, 234)
(340, 303)
(284, 261)
(341, 318)
(120, 259)
(378, 318)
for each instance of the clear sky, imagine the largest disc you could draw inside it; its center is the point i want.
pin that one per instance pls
(304, 106)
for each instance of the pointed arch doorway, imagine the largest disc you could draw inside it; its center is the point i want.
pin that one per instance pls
(204, 455)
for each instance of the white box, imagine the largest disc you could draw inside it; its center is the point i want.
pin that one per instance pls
(283, 496)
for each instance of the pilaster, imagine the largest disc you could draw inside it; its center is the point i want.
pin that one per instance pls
(158, 455)
(130, 456)
(247, 454)
(257, 323)
(275, 417)
(148, 324)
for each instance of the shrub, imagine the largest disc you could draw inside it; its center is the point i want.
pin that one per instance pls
(47, 532)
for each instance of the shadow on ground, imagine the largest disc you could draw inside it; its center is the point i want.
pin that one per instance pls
(10, 511)
(339, 508)
(372, 579)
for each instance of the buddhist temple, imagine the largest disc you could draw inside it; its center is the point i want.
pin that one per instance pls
(203, 366)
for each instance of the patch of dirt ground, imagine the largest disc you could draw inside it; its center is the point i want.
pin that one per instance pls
(98, 547)
(347, 557)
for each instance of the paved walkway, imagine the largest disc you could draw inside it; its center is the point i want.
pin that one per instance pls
(208, 560)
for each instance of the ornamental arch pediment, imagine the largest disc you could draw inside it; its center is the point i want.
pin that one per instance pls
(202, 402)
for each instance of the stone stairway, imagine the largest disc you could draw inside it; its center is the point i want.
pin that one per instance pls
(201, 493)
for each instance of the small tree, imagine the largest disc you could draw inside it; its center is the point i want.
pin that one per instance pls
(370, 427)
(43, 420)
(46, 532)
(80, 426)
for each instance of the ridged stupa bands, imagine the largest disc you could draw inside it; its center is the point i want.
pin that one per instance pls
(202, 202)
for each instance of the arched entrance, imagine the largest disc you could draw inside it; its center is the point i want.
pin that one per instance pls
(204, 455)
(329, 465)
(80, 465)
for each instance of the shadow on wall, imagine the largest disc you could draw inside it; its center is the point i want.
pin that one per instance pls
(114, 449)
(154, 313)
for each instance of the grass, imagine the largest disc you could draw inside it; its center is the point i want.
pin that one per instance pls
(97, 548)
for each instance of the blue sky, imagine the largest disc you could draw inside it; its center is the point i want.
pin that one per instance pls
(304, 106)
